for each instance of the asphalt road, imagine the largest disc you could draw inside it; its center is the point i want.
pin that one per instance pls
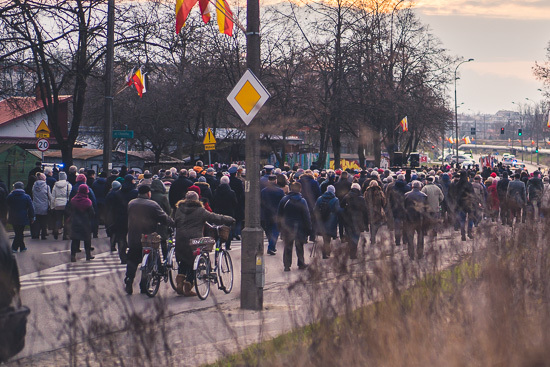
(75, 302)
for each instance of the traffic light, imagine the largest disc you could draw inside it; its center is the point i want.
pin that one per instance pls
(520, 133)
(501, 131)
(473, 130)
(537, 149)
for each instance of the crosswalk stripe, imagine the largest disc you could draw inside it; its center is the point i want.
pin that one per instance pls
(103, 264)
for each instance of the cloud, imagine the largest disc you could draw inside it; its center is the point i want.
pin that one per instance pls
(509, 9)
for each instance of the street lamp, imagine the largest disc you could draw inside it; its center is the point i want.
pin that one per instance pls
(537, 128)
(456, 109)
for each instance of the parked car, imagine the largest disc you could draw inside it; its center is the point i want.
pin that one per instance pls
(452, 159)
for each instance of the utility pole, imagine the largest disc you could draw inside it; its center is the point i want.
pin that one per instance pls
(252, 249)
(456, 110)
(108, 118)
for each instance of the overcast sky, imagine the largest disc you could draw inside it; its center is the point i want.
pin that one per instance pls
(505, 37)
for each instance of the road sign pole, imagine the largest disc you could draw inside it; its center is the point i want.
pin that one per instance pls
(252, 249)
(108, 117)
(209, 158)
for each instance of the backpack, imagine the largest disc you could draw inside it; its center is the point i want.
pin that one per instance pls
(324, 209)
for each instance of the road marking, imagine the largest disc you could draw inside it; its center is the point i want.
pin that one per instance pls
(55, 252)
(103, 264)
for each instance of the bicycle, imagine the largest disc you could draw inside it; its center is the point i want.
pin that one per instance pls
(222, 273)
(155, 269)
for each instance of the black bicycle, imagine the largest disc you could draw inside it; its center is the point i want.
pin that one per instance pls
(158, 270)
(222, 272)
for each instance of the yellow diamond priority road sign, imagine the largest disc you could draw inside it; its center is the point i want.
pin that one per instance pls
(42, 131)
(248, 96)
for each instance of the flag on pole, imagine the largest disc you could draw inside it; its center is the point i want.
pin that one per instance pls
(450, 140)
(405, 124)
(532, 142)
(183, 7)
(138, 80)
(548, 123)
(467, 140)
(225, 17)
(205, 10)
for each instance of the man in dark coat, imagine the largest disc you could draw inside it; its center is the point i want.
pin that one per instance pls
(331, 180)
(126, 194)
(355, 217)
(143, 216)
(99, 189)
(113, 218)
(225, 202)
(265, 178)
(396, 198)
(502, 187)
(327, 210)
(342, 187)
(516, 197)
(211, 179)
(535, 189)
(295, 225)
(464, 198)
(237, 186)
(178, 189)
(21, 213)
(416, 206)
(270, 197)
(311, 192)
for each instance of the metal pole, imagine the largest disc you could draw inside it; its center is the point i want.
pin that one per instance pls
(456, 109)
(252, 249)
(126, 150)
(109, 57)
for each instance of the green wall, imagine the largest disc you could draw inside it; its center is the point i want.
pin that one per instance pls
(21, 163)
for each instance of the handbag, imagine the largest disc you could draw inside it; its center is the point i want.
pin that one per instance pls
(13, 329)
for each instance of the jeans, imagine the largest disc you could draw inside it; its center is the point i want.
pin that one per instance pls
(410, 229)
(18, 241)
(272, 234)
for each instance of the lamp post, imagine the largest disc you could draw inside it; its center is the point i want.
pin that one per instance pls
(537, 128)
(456, 109)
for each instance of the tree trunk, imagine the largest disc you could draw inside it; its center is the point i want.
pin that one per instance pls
(377, 146)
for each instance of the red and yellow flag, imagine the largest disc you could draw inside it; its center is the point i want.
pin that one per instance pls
(138, 80)
(548, 123)
(467, 140)
(450, 140)
(225, 17)
(183, 7)
(405, 124)
(205, 10)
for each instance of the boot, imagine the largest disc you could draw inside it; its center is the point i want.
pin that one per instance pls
(187, 289)
(128, 285)
(180, 279)
(89, 255)
(73, 258)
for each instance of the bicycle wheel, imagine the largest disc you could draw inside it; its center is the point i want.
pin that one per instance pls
(173, 271)
(225, 271)
(202, 277)
(153, 277)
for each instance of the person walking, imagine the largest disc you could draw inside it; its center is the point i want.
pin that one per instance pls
(396, 197)
(327, 210)
(416, 203)
(355, 217)
(82, 215)
(502, 188)
(144, 215)
(376, 201)
(310, 191)
(20, 214)
(160, 196)
(270, 197)
(295, 225)
(464, 198)
(190, 218)
(435, 198)
(535, 189)
(41, 199)
(516, 197)
(126, 194)
(225, 202)
(60, 198)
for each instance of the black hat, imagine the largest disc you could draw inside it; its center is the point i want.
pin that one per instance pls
(143, 189)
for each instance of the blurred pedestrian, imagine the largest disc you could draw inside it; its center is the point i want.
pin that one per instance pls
(327, 211)
(376, 201)
(21, 213)
(416, 203)
(270, 197)
(81, 213)
(355, 217)
(41, 198)
(60, 198)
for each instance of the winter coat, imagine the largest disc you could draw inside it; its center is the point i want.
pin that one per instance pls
(20, 208)
(435, 197)
(189, 219)
(206, 193)
(502, 188)
(143, 216)
(225, 201)
(327, 226)
(270, 197)
(98, 188)
(294, 217)
(60, 194)
(376, 201)
(416, 206)
(329, 181)
(493, 202)
(115, 220)
(463, 195)
(81, 222)
(91, 194)
(41, 197)
(355, 212)
(159, 196)
(480, 194)
(212, 181)
(237, 186)
(516, 194)
(535, 189)
(178, 189)
(310, 191)
(396, 197)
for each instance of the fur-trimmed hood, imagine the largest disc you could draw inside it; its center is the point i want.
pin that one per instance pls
(187, 206)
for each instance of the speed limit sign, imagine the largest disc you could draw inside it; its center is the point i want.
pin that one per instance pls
(42, 144)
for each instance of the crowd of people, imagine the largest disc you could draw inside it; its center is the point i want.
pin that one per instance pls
(296, 204)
